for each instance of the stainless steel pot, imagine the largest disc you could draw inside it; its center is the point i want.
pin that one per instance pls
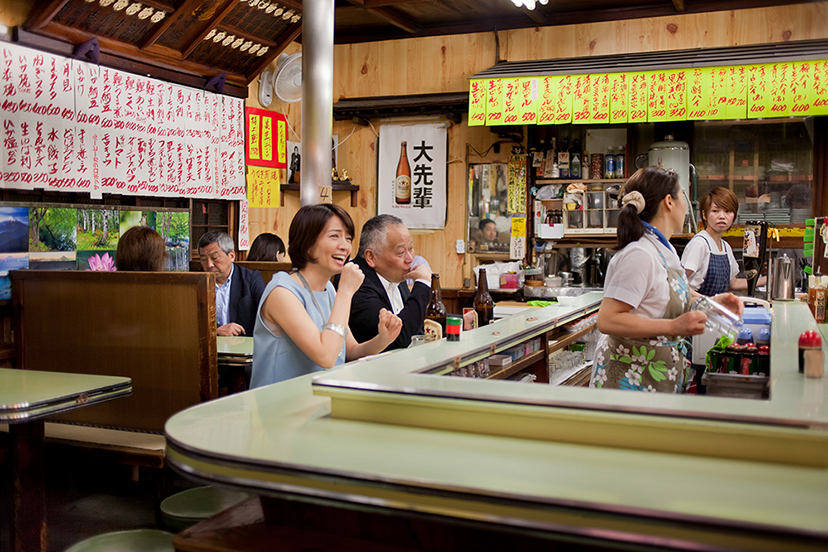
(783, 279)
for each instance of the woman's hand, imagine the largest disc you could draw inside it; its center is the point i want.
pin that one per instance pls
(350, 279)
(731, 302)
(389, 325)
(689, 323)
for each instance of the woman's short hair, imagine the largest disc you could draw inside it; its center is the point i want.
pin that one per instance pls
(141, 249)
(266, 247)
(654, 184)
(306, 227)
(722, 197)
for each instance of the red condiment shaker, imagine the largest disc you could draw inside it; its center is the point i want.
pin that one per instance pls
(810, 354)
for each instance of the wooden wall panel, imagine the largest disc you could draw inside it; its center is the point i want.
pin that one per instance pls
(444, 64)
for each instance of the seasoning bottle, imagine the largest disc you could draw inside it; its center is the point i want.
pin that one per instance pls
(821, 300)
(745, 336)
(810, 354)
(483, 304)
(453, 325)
(435, 319)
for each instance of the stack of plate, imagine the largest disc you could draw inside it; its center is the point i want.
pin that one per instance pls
(798, 216)
(778, 215)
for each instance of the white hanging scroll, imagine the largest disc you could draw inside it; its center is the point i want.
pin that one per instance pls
(72, 126)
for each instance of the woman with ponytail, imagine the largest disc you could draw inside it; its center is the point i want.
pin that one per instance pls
(646, 313)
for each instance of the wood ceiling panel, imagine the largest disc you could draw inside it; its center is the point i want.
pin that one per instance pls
(265, 23)
(120, 25)
(189, 25)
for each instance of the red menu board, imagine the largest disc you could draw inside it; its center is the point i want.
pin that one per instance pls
(600, 98)
(581, 95)
(717, 96)
(263, 139)
(494, 102)
(619, 90)
(547, 91)
(638, 98)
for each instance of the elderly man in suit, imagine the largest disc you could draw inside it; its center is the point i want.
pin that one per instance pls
(386, 252)
(238, 290)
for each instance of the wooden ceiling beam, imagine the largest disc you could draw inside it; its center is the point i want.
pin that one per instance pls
(536, 16)
(394, 17)
(285, 39)
(167, 22)
(217, 18)
(42, 16)
(159, 5)
(231, 30)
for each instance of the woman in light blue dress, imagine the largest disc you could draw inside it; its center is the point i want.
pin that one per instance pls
(302, 323)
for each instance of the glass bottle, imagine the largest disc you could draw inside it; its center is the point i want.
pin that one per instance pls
(575, 169)
(435, 315)
(609, 163)
(483, 304)
(402, 184)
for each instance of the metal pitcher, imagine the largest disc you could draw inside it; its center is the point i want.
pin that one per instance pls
(783, 279)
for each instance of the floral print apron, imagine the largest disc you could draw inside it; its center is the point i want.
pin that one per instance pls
(640, 364)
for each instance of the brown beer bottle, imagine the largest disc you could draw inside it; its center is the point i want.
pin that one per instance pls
(435, 315)
(402, 184)
(483, 304)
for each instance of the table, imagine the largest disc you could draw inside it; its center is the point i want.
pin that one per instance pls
(26, 398)
(235, 361)
(289, 442)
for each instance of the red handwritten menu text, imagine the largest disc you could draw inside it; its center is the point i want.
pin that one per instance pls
(511, 101)
(619, 90)
(563, 100)
(800, 87)
(736, 93)
(494, 102)
(600, 98)
(547, 89)
(758, 98)
(73, 126)
(677, 95)
(779, 89)
(528, 101)
(638, 98)
(657, 96)
(819, 90)
(477, 103)
(581, 96)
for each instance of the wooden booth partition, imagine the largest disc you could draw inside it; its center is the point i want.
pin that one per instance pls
(157, 328)
(266, 268)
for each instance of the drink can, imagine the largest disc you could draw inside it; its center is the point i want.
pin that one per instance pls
(733, 360)
(749, 361)
(715, 361)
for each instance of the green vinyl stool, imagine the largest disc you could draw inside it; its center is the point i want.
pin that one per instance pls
(137, 540)
(185, 509)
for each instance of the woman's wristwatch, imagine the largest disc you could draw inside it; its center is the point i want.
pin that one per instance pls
(339, 329)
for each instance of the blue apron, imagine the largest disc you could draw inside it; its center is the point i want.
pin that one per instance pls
(717, 279)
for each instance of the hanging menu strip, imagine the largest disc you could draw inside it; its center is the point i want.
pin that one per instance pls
(785, 89)
(73, 126)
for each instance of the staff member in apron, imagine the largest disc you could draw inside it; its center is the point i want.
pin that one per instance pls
(708, 260)
(646, 308)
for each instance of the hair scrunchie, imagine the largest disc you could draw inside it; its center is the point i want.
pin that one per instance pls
(635, 199)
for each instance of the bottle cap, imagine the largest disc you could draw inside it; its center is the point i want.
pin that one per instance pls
(764, 350)
(810, 339)
(454, 320)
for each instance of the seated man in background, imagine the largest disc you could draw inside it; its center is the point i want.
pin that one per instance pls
(386, 252)
(238, 290)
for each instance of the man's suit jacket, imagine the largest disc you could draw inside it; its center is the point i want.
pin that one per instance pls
(246, 290)
(371, 297)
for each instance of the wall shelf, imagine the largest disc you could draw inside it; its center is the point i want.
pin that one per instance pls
(336, 186)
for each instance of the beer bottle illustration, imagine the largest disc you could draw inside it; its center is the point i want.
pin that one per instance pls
(402, 184)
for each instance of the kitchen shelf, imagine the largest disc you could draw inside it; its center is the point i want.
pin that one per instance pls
(519, 364)
(569, 338)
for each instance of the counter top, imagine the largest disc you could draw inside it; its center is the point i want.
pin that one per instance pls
(284, 440)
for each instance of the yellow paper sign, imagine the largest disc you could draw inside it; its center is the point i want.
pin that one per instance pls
(736, 93)
(477, 102)
(511, 101)
(528, 101)
(253, 122)
(262, 187)
(547, 91)
(282, 137)
(637, 98)
(494, 102)
(696, 99)
(267, 139)
(619, 85)
(819, 89)
(801, 87)
(600, 98)
(657, 96)
(563, 101)
(518, 227)
(718, 94)
(758, 99)
(581, 93)
(779, 89)
(677, 95)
